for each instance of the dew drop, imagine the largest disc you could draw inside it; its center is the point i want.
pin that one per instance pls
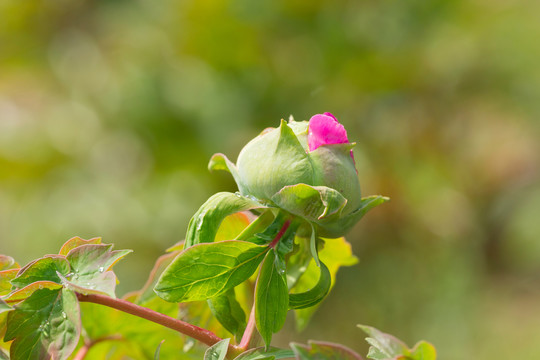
(64, 315)
(40, 286)
(101, 269)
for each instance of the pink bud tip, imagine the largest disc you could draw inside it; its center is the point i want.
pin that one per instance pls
(324, 129)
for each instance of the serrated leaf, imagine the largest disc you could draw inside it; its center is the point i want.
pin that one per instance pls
(7, 263)
(44, 326)
(384, 346)
(204, 225)
(319, 350)
(76, 242)
(424, 351)
(5, 280)
(217, 351)
(90, 268)
(43, 269)
(334, 253)
(262, 354)
(21, 294)
(313, 203)
(271, 297)
(316, 294)
(228, 312)
(207, 270)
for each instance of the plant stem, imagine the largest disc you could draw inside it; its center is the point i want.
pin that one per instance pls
(248, 333)
(205, 336)
(83, 351)
(280, 234)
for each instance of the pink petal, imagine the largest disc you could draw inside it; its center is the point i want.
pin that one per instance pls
(324, 129)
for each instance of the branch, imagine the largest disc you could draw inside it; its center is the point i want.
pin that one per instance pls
(205, 336)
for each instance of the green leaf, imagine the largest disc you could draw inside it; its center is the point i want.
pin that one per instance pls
(44, 326)
(232, 226)
(76, 242)
(424, 351)
(43, 269)
(316, 294)
(90, 268)
(318, 350)
(4, 306)
(218, 351)
(262, 354)
(229, 312)
(334, 253)
(7, 263)
(204, 225)
(383, 346)
(312, 203)
(207, 270)
(5, 280)
(271, 297)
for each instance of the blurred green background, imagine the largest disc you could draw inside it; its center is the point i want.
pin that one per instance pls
(110, 111)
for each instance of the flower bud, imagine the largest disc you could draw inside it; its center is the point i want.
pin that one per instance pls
(304, 168)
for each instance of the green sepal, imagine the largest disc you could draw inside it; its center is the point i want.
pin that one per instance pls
(42, 269)
(229, 313)
(334, 167)
(323, 351)
(333, 229)
(204, 225)
(271, 161)
(314, 295)
(221, 162)
(207, 270)
(271, 297)
(44, 326)
(313, 203)
(91, 268)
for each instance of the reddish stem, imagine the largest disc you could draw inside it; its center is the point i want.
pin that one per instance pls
(83, 351)
(280, 234)
(248, 333)
(205, 336)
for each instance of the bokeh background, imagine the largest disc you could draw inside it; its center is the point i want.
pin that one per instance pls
(110, 111)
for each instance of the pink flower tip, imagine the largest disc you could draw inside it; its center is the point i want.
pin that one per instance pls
(324, 129)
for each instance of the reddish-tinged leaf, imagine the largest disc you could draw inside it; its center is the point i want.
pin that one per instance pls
(5, 280)
(45, 268)
(75, 242)
(7, 262)
(21, 294)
